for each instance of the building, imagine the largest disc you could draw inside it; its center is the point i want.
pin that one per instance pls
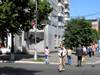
(95, 24)
(58, 18)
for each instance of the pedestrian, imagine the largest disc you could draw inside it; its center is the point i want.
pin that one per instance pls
(84, 53)
(46, 50)
(62, 56)
(89, 50)
(94, 47)
(69, 58)
(79, 53)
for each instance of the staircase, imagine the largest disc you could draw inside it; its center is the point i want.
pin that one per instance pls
(39, 46)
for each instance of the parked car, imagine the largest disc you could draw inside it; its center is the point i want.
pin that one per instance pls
(4, 50)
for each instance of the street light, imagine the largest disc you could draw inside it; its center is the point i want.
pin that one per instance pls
(35, 54)
(36, 22)
(36, 14)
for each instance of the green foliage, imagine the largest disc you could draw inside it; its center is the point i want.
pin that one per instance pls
(13, 18)
(16, 15)
(43, 10)
(79, 31)
(39, 60)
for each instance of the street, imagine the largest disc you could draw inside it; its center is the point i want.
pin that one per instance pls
(42, 69)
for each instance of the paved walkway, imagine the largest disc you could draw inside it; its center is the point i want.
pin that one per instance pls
(93, 60)
(53, 59)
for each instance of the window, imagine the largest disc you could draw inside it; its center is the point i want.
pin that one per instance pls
(66, 5)
(55, 35)
(59, 0)
(60, 18)
(62, 9)
(59, 36)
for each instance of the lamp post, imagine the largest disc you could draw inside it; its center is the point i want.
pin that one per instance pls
(35, 49)
(36, 10)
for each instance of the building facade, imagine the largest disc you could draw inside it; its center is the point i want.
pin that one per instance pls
(95, 24)
(58, 17)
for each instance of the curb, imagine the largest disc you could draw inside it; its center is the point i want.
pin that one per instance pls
(53, 63)
(28, 62)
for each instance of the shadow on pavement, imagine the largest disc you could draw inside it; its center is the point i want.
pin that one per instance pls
(17, 71)
(7, 57)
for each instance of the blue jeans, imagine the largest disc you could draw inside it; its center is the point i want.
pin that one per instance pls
(69, 60)
(46, 59)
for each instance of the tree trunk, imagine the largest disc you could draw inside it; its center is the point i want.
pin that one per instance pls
(12, 47)
(2, 39)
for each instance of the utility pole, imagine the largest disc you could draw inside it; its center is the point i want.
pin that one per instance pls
(35, 49)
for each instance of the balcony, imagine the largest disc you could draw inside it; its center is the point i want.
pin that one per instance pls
(66, 1)
(66, 10)
(60, 4)
(66, 19)
(60, 14)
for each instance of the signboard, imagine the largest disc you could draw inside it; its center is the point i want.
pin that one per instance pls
(33, 24)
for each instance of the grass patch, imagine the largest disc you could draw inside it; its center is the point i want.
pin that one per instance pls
(39, 52)
(39, 60)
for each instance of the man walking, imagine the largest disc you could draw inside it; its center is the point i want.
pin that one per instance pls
(79, 53)
(62, 56)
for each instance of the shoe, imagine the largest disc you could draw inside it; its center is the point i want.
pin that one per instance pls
(60, 70)
(63, 69)
(46, 62)
(77, 65)
(93, 65)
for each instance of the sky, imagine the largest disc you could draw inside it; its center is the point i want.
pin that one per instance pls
(88, 8)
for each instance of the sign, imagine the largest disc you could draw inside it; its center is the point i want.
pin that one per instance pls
(33, 24)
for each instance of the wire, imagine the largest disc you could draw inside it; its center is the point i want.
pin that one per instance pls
(92, 14)
(88, 15)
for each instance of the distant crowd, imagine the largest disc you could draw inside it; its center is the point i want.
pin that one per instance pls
(81, 52)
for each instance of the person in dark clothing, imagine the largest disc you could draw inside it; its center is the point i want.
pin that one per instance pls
(89, 50)
(79, 52)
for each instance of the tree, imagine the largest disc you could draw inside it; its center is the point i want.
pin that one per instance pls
(79, 31)
(14, 18)
(43, 10)
(16, 15)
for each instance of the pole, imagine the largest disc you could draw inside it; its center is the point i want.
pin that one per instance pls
(57, 36)
(35, 52)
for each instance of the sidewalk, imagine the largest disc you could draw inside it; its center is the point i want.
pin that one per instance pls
(53, 59)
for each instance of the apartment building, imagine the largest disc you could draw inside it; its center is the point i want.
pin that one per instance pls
(59, 16)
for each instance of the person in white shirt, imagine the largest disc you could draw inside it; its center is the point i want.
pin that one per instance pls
(62, 56)
(69, 58)
(46, 50)
(84, 53)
